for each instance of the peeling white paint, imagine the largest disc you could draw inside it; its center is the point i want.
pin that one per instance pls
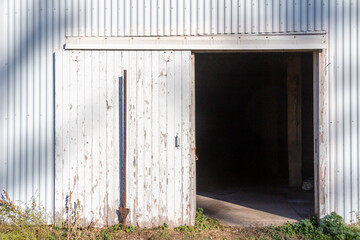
(87, 161)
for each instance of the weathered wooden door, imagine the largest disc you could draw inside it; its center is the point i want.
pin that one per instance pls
(160, 179)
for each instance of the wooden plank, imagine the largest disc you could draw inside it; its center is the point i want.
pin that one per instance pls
(163, 138)
(100, 165)
(170, 118)
(316, 128)
(185, 136)
(95, 191)
(192, 170)
(114, 197)
(111, 128)
(294, 119)
(177, 134)
(88, 132)
(73, 124)
(324, 144)
(147, 111)
(139, 168)
(129, 61)
(155, 129)
(80, 160)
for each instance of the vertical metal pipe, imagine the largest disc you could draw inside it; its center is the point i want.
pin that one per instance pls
(122, 209)
(124, 139)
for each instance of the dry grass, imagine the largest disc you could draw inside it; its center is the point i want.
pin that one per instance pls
(30, 222)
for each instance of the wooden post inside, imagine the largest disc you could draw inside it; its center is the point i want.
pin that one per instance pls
(293, 83)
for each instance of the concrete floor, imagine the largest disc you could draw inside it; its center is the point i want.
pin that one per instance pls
(257, 205)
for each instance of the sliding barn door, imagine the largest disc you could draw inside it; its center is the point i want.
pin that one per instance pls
(160, 172)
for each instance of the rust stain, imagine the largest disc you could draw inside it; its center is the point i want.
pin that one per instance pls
(70, 106)
(85, 157)
(139, 74)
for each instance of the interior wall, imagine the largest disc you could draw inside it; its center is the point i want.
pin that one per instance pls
(241, 118)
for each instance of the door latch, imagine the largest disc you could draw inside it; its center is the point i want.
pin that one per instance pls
(177, 141)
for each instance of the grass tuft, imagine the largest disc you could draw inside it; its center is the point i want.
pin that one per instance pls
(29, 222)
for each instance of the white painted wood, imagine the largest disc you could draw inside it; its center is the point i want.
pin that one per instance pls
(228, 42)
(178, 185)
(87, 136)
(192, 169)
(112, 136)
(66, 133)
(73, 126)
(185, 136)
(95, 135)
(316, 75)
(170, 143)
(163, 138)
(323, 136)
(155, 140)
(131, 139)
(140, 201)
(84, 145)
(101, 198)
(147, 111)
(80, 118)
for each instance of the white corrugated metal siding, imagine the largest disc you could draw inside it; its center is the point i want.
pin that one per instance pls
(344, 90)
(34, 28)
(87, 158)
(191, 17)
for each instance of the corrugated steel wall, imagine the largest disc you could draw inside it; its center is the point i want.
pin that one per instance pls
(344, 91)
(34, 28)
(189, 17)
(159, 174)
(26, 109)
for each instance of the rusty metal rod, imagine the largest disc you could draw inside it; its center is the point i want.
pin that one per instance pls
(124, 140)
(123, 210)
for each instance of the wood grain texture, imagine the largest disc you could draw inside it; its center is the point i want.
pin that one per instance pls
(160, 178)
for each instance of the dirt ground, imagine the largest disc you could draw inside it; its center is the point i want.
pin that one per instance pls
(224, 232)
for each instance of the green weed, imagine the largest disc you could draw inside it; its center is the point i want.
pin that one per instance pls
(202, 222)
(329, 227)
(130, 228)
(165, 226)
(29, 222)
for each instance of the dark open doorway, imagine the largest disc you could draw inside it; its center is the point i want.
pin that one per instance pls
(243, 137)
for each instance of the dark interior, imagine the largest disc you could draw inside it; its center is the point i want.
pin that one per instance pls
(241, 119)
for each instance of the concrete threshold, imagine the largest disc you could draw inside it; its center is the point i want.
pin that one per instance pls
(256, 209)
